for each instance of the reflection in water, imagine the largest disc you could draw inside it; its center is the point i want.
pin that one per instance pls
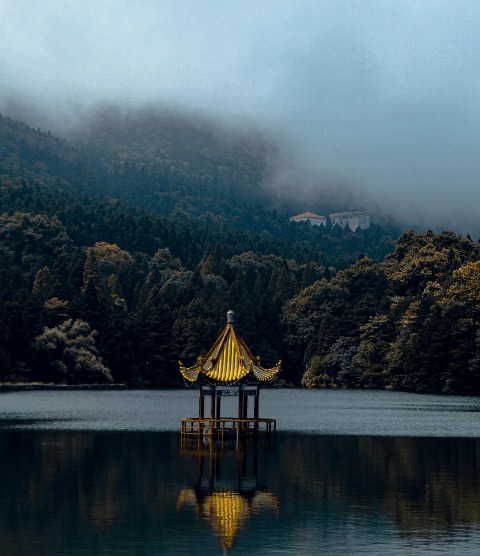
(227, 496)
(424, 486)
(72, 494)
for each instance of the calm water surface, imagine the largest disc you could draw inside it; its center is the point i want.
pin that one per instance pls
(350, 472)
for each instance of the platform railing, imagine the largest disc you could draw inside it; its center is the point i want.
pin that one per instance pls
(227, 426)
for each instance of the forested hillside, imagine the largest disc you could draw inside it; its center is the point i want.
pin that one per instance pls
(409, 323)
(122, 250)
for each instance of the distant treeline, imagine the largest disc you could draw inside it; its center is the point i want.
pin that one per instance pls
(89, 310)
(113, 267)
(97, 291)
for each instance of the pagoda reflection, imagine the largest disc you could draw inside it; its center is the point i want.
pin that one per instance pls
(228, 492)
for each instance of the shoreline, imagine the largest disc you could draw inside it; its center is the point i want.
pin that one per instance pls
(40, 386)
(14, 386)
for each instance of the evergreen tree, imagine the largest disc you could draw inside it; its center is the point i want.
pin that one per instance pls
(42, 283)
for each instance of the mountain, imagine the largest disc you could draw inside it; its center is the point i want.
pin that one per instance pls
(167, 162)
(172, 164)
(140, 231)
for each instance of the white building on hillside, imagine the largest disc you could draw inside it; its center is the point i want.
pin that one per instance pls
(353, 220)
(314, 219)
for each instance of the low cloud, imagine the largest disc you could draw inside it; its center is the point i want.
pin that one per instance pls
(374, 104)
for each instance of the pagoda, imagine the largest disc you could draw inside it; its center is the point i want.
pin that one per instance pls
(228, 369)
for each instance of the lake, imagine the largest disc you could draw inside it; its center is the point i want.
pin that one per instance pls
(349, 472)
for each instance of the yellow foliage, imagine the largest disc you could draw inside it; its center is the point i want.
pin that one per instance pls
(410, 314)
(55, 304)
(110, 258)
(466, 283)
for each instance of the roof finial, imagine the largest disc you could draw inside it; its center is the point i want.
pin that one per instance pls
(230, 315)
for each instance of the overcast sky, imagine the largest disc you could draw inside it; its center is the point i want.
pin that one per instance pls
(380, 97)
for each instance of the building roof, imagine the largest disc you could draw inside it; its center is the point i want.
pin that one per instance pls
(228, 361)
(308, 215)
(348, 213)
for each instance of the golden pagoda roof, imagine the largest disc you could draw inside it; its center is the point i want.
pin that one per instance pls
(228, 361)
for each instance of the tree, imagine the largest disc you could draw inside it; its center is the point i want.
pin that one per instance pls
(286, 286)
(71, 354)
(110, 258)
(375, 338)
(466, 284)
(42, 284)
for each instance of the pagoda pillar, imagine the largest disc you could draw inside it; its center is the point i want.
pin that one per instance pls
(212, 412)
(201, 406)
(240, 402)
(245, 407)
(256, 409)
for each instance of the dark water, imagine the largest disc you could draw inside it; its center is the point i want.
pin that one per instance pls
(348, 473)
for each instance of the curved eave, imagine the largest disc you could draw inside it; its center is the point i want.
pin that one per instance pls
(192, 374)
(265, 375)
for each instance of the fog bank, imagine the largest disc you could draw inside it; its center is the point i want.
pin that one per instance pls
(374, 102)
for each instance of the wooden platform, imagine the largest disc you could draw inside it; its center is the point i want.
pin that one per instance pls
(228, 426)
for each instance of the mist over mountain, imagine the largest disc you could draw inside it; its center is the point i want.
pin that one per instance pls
(370, 105)
(236, 159)
(225, 164)
(268, 162)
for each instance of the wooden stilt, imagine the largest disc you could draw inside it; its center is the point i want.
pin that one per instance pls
(245, 410)
(216, 425)
(201, 406)
(256, 410)
(240, 409)
(212, 409)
